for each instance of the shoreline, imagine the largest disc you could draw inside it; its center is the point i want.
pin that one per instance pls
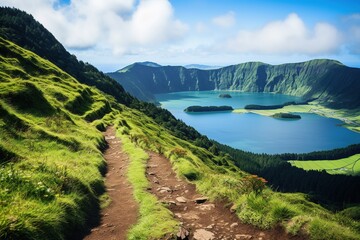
(350, 118)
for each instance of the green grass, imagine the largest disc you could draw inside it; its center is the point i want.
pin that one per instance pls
(51, 163)
(349, 165)
(155, 220)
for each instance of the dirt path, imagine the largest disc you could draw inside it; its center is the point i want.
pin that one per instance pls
(204, 221)
(122, 212)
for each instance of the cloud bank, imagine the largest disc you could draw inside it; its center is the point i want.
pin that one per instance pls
(288, 36)
(227, 20)
(119, 24)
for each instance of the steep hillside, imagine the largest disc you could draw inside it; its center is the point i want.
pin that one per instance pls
(22, 29)
(332, 82)
(50, 153)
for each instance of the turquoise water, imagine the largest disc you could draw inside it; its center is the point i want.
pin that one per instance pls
(255, 133)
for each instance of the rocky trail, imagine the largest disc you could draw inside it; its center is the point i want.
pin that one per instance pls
(117, 218)
(200, 218)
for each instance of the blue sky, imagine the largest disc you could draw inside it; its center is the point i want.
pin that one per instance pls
(114, 33)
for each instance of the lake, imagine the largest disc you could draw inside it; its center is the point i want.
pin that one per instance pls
(256, 133)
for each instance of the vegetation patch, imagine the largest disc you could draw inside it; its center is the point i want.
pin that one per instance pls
(208, 108)
(225, 95)
(286, 116)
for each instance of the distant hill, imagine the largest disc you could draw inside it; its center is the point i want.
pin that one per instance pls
(333, 83)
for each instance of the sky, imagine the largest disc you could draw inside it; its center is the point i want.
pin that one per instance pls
(112, 34)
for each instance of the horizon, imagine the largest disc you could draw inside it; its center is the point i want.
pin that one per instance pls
(217, 67)
(114, 34)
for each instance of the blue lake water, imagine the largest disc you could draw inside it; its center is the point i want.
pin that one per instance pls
(255, 133)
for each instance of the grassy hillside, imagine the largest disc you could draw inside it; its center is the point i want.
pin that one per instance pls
(335, 84)
(51, 162)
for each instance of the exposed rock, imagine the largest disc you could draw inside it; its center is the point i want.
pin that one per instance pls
(243, 236)
(207, 207)
(152, 166)
(233, 208)
(202, 234)
(169, 202)
(166, 189)
(211, 226)
(234, 225)
(181, 199)
(182, 234)
(200, 200)
(109, 137)
(191, 216)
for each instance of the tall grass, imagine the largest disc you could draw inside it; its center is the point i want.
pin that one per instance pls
(50, 171)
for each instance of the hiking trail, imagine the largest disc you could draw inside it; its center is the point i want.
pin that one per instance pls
(200, 218)
(122, 212)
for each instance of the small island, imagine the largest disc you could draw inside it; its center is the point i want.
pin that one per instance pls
(278, 106)
(286, 116)
(208, 108)
(225, 95)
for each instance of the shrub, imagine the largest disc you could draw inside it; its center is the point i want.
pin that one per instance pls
(253, 183)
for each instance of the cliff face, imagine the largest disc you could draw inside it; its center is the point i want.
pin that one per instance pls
(332, 82)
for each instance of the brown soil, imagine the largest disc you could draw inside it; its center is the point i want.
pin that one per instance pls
(201, 219)
(117, 218)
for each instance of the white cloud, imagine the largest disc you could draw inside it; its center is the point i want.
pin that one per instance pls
(227, 20)
(200, 27)
(353, 17)
(289, 36)
(122, 25)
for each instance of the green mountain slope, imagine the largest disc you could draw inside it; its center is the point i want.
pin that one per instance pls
(22, 29)
(332, 82)
(51, 163)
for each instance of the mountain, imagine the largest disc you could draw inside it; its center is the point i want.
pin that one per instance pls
(333, 83)
(22, 29)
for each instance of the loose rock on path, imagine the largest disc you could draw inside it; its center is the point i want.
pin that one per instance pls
(199, 218)
(117, 218)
